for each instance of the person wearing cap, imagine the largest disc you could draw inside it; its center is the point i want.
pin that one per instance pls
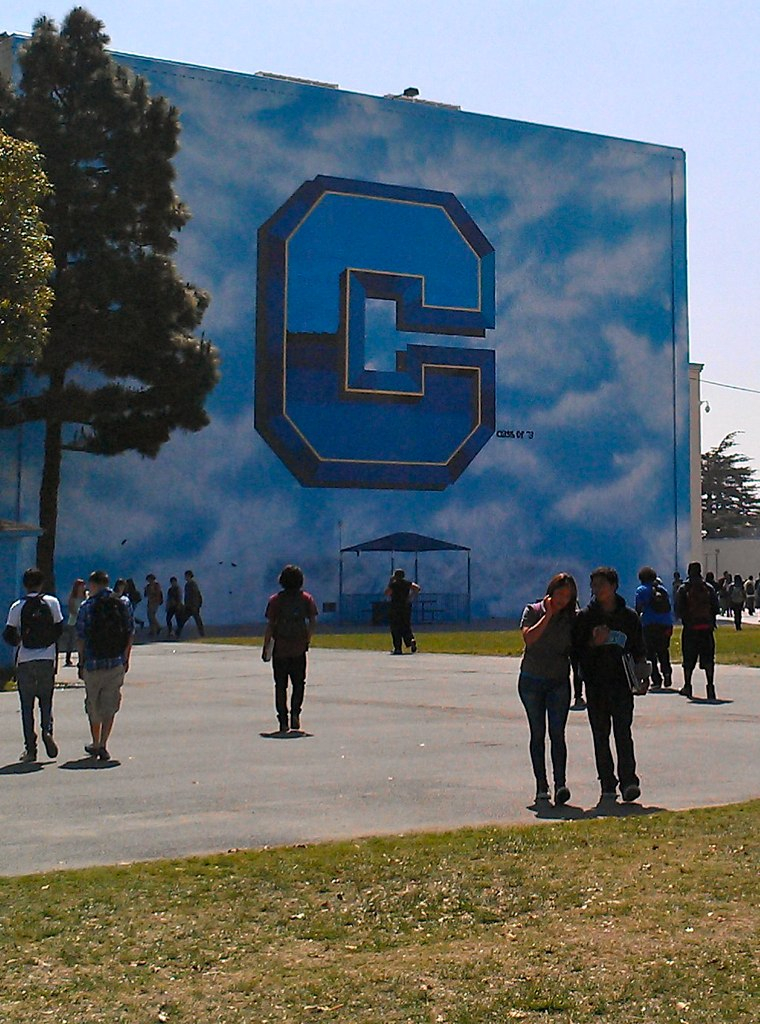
(697, 605)
(105, 634)
(604, 631)
(401, 592)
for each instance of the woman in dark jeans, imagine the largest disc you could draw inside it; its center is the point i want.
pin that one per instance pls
(544, 683)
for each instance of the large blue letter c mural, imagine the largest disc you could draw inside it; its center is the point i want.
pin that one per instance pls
(332, 416)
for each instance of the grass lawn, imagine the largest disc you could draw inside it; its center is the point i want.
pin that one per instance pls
(733, 648)
(645, 918)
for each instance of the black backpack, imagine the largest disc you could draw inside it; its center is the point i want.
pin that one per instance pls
(38, 630)
(697, 606)
(660, 602)
(291, 614)
(109, 627)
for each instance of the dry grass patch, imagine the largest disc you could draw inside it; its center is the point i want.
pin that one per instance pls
(647, 919)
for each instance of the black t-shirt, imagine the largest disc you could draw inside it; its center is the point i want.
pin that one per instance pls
(400, 590)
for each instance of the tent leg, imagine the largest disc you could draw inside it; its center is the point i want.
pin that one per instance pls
(340, 588)
(469, 590)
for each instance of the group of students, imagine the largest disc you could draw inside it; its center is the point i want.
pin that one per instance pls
(99, 625)
(610, 645)
(104, 631)
(735, 595)
(179, 609)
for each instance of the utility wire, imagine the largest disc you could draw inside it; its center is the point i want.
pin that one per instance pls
(733, 387)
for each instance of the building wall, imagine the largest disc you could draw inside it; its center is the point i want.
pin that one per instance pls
(735, 554)
(430, 321)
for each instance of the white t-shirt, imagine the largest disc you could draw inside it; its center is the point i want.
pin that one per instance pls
(14, 619)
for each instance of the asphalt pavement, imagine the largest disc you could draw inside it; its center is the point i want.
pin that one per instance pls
(388, 745)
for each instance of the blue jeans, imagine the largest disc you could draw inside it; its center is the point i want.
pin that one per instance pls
(546, 700)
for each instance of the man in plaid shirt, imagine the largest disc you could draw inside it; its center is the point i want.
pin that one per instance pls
(103, 670)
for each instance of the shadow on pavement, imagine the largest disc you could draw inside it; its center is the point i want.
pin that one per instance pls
(293, 734)
(89, 764)
(608, 809)
(21, 768)
(616, 810)
(565, 812)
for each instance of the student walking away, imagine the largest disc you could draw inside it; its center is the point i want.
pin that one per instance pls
(33, 627)
(105, 632)
(697, 607)
(154, 597)
(653, 605)
(607, 635)
(736, 599)
(749, 591)
(174, 607)
(193, 604)
(74, 603)
(134, 597)
(544, 681)
(291, 616)
(401, 592)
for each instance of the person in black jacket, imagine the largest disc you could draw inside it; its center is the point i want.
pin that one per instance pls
(605, 630)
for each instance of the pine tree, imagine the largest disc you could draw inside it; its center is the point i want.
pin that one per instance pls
(730, 500)
(122, 363)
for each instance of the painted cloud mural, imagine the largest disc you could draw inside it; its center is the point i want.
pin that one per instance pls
(586, 461)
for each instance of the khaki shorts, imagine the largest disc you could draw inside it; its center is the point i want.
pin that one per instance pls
(103, 692)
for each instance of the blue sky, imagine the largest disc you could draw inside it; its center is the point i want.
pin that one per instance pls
(675, 72)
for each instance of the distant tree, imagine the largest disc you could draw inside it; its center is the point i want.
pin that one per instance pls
(730, 500)
(25, 260)
(122, 363)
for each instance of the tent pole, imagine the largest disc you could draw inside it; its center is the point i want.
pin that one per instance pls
(469, 590)
(340, 588)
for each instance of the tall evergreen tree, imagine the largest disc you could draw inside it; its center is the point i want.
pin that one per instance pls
(730, 500)
(25, 260)
(122, 361)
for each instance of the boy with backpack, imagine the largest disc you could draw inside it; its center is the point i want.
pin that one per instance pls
(291, 616)
(34, 625)
(653, 606)
(697, 606)
(105, 631)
